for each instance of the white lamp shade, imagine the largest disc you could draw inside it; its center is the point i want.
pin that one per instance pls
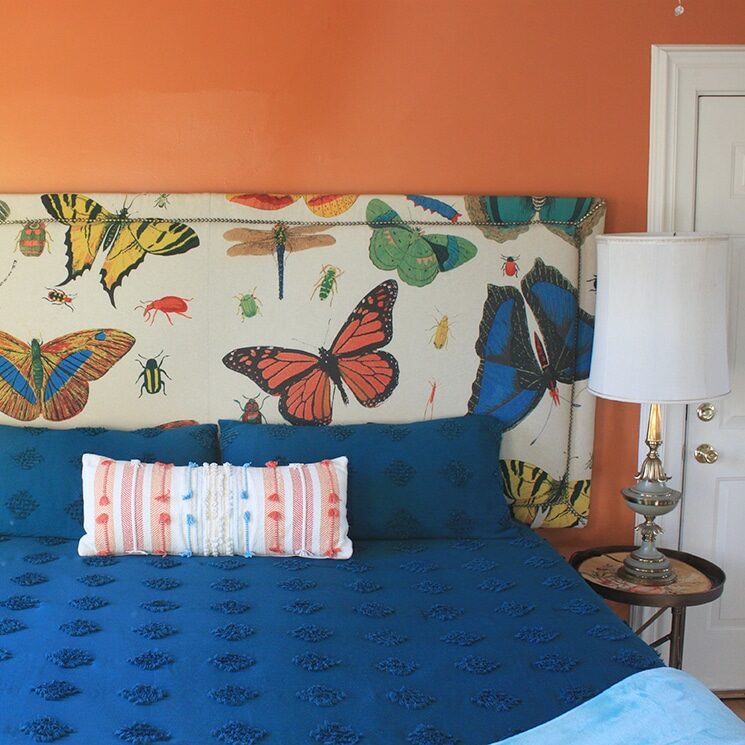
(661, 318)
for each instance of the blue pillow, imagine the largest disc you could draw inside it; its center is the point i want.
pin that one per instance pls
(430, 479)
(40, 469)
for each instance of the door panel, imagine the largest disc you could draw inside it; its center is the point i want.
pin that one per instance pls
(729, 511)
(713, 519)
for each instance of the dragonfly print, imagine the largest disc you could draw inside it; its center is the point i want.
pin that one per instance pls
(277, 241)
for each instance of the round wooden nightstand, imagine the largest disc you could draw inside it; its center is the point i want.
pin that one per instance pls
(699, 581)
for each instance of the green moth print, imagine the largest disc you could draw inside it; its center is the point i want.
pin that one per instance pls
(418, 258)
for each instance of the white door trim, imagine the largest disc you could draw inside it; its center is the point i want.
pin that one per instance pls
(680, 75)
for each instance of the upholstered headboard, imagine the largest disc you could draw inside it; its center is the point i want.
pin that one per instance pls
(138, 310)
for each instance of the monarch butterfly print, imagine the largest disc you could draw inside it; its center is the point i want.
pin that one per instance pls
(303, 381)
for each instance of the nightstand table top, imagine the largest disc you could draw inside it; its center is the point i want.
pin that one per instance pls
(699, 581)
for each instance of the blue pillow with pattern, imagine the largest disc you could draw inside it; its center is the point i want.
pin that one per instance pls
(41, 491)
(430, 479)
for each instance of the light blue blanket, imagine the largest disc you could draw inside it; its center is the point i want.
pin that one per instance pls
(655, 707)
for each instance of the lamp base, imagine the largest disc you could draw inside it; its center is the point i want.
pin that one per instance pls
(647, 567)
(650, 498)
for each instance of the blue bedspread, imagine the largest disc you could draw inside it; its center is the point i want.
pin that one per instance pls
(662, 706)
(427, 642)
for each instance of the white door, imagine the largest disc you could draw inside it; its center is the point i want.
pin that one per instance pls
(713, 519)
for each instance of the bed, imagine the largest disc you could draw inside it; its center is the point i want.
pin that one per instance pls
(453, 622)
(421, 641)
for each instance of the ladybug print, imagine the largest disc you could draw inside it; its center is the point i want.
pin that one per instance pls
(510, 266)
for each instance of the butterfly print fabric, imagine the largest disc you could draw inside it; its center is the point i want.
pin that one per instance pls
(303, 381)
(320, 310)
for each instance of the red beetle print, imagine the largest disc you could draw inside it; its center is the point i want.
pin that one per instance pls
(510, 267)
(165, 305)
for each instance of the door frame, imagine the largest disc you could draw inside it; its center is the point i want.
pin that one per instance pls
(681, 74)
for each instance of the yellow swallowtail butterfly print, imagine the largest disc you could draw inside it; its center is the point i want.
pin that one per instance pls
(539, 500)
(125, 241)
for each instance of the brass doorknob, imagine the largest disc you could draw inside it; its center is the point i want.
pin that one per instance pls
(705, 453)
(705, 412)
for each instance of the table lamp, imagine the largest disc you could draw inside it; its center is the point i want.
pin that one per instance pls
(660, 338)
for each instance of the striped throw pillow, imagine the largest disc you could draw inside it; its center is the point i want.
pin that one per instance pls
(215, 509)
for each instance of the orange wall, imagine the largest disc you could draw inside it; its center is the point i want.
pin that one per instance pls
(427, 96)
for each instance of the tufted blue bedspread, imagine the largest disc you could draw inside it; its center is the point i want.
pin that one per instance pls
(428, 643)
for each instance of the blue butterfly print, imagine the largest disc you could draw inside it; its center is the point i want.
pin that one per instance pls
(513, 377)
(571, 218)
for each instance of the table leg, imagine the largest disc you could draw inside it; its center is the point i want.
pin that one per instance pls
(677, 634)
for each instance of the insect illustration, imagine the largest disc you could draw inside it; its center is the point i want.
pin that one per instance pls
(251, 410)
(178, 423)
(51, 380)
(162, 201)
(418, 258)
(91, 229)
(33, 239)
(59, 297)
(165, 305)
(4, 215)
(152, 374)
(302, 380)
(572, 219)
(10, 272)
(327, 282)
(248, 305)
(440, 331)
(538, 499)
(513, 377)
(509, 266)
(436, 206)
(322, 205)
(278, 241)
(429, 408)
